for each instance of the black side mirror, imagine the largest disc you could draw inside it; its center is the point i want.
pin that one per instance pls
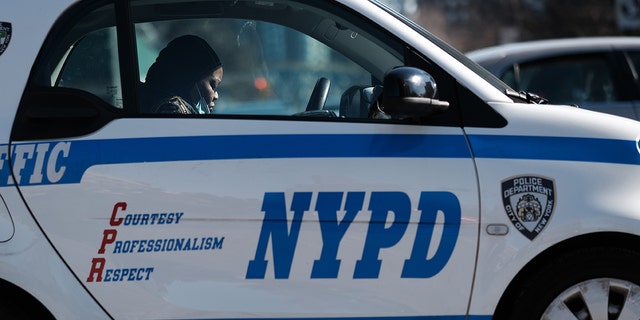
(410, 92)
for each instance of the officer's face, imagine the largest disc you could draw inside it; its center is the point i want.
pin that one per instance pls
(208, 87)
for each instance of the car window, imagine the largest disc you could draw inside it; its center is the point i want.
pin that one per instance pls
(509, 77)
(274, 56)
(571, 79)
(92, 65)
(269, 69)
(87, 59)
(635, 60)
(281, 59)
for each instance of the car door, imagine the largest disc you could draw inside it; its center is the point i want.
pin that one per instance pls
(266, 207)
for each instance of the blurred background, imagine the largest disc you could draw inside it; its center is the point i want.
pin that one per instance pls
(473, 24)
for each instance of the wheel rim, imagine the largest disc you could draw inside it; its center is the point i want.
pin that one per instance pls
(597, 299)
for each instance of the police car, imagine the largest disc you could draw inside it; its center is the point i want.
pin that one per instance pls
(353, 167)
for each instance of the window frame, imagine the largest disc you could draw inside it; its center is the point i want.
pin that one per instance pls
(27, 126)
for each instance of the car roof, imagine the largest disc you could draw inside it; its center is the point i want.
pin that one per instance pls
(499, 56)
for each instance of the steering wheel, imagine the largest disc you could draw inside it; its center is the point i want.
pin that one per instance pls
(319, 94)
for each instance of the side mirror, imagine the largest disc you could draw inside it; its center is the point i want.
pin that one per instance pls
(410, 92)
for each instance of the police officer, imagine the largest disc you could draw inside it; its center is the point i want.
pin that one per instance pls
(183, 79)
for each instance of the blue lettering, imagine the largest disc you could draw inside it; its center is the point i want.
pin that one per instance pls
(390, 217)
(126, 246)
(107, 275)
(283, 239)
(379, 236)
(217, 244)
(418, 266)
(332, 231)
(179, 244)
(127, 220)
(145, 219)
(117, 248)
(143, 245)
(116, 274)
(128, 274)
(125, 273)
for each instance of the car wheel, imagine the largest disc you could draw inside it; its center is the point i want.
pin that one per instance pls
(598, 284)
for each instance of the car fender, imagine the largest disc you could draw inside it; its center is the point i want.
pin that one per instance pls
(49, 279)
(604, 200)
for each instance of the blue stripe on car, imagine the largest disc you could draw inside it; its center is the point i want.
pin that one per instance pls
(87, 153)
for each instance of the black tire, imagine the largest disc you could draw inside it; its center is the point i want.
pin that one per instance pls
(16, 304)
(599, 283)
(21, 310)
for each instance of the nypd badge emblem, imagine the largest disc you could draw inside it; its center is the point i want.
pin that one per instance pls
(529, 202)
(5, 36)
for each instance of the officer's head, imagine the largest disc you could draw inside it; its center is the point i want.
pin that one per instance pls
(186, 67)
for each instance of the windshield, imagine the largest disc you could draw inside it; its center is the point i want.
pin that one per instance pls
(489, 77)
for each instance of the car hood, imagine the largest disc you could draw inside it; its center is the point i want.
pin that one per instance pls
(564, 121)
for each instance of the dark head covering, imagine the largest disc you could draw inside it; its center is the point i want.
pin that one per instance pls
(180, 64)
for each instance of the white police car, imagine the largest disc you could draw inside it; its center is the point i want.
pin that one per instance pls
(447, 196)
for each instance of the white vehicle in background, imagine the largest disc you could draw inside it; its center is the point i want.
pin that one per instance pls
(595, 73)
(354, 167)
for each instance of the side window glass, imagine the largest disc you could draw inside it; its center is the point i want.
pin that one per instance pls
(272, 65)
(509, 78)
(92, 66)
(573, 79)
(635, 59)
(86, 58)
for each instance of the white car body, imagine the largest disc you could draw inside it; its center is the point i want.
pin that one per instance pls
(301, 219)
